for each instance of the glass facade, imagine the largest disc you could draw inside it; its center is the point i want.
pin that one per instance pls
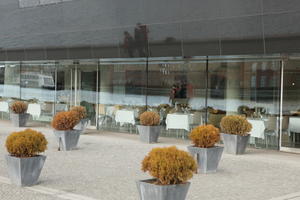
(186, 92)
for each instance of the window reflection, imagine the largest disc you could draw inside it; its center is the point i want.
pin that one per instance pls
(37, 83)
(9, 86)
(249, 88)
(122, 95)
(176, 91)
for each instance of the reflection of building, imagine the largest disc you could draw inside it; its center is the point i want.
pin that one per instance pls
(79, 59)
(37, 80)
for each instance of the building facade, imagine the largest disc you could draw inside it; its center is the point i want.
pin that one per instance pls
(192, 61)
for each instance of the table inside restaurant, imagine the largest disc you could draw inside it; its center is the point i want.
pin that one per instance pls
(179, 121)
(258, 128)
(125, 117)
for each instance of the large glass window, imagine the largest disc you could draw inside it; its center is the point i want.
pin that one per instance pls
(9, 86)
(122, 96)
(37, 81)
(176, 90)
(250, 88)
(185, 92)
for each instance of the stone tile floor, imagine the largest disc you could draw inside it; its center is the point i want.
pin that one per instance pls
(106, 165)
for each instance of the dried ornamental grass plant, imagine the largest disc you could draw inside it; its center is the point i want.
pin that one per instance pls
(235, 124)
(205, 136)
(169, 165)
(81, 111)
(18, 107)
(26, 143)
(149, 118)
(65, 120)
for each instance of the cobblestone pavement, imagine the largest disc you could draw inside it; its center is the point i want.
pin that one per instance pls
(106, 165)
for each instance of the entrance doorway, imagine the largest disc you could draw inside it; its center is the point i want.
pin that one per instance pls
(77, 86)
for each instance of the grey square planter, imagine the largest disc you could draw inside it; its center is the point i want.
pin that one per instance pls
(82, 125)
(148, 191)
(19, 120)
(149, 134)
(235, 144)
(25, 171)
(207, 158)
(67, 140)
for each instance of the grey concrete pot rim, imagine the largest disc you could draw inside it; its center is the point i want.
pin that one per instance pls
(39, 155)
(214, 147)
(65, 130)
(236, 134)
(155, 185)
(148, 126)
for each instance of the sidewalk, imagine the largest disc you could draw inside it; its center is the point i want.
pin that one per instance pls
(106, 165)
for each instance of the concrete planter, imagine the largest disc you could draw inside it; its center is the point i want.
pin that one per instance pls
(149, 134)
(19, 120)
(67, 140)
(207, 158)
(82, 125)
(235, 144)
(148, 191)
(25, 171)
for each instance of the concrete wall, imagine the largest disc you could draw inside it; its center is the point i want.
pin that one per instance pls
(94, 28)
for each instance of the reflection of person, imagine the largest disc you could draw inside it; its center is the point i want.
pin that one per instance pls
(141, 39)
(129, 44)
(173, 94)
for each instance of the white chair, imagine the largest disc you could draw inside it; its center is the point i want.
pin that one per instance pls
(197, 119)
(271, 130)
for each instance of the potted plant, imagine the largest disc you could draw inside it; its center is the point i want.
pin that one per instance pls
(18, 114)
(63, 124)
(208, 155)
(24, 162)
(149, 129)
(235, 133)
(82, 114)
(171, 169)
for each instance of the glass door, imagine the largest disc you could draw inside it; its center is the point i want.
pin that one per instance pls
(290, 126)
(85, 84)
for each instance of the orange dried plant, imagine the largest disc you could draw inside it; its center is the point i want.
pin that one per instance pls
(18, 107)
(81, 111)
(26, 143)
(169, 165)
(235, 124)
(65, 120)
(205, 136)
(149, 118)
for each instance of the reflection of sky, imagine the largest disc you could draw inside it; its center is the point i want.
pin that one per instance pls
(133, 99)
